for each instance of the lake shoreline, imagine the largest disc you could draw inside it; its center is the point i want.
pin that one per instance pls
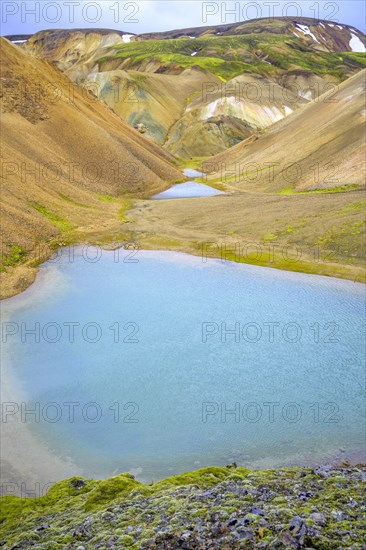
(26, 449)
(26, 461)
(18, 279)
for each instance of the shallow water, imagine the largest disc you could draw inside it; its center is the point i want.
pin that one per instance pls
(191, 173)
(149, 381)
(188, 189)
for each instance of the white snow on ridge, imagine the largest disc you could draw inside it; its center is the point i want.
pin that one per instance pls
(194, 53)
(306, 94)
(127, 38)
(356, 45)
(191, 36)
(305, 30)
(19, 41)
(321, 24)
(340, 27)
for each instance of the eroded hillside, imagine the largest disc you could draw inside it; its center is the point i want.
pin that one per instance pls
(64, 157)
(317, 148)
(199, 91)
(296, 195)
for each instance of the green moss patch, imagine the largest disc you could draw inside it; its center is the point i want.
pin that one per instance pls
(230, 56)
(14, 257)
(56, 219)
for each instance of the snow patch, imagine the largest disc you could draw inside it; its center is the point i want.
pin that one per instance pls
(127, 38)
(356, 45)
(340, 27)
(305, 30)
(191, 36)
(288, 110)
(19, 41)
(321, 24)
(194, 53)
(306, 94)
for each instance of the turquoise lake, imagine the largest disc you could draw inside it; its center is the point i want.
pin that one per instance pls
(170, 363)
(189, 189)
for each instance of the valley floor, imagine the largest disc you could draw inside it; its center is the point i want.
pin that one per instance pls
(317, 233)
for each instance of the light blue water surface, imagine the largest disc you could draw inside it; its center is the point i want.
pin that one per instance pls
(189, 189)
(313, 360)
(192, 173)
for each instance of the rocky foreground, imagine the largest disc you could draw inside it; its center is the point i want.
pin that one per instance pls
(212, 508)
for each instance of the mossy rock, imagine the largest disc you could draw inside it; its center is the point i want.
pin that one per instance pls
(109, 489)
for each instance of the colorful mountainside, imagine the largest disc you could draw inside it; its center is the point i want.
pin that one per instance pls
(200, 91)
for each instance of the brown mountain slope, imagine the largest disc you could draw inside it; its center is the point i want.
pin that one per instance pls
(318, 147)
(65, 156)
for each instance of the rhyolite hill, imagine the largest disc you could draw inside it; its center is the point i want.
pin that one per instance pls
(271, 93)
(199, 91)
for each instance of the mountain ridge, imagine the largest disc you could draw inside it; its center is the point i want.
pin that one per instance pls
(276, 24)
(160, 69)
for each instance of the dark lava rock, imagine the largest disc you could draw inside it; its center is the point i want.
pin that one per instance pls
(298, 529)
(323, 471)
(43, 527)
(305, 495)
(318, 518)
(256, 511)
(289, 541)
(77, 483)
(243, 534)
(340, 516)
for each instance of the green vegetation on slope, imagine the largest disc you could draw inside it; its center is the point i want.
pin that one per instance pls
(57, 220)
(230, 56)
(14, 257)
(210, 508)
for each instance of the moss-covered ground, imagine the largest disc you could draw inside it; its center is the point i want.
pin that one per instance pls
(211, 508)
(230, 56)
